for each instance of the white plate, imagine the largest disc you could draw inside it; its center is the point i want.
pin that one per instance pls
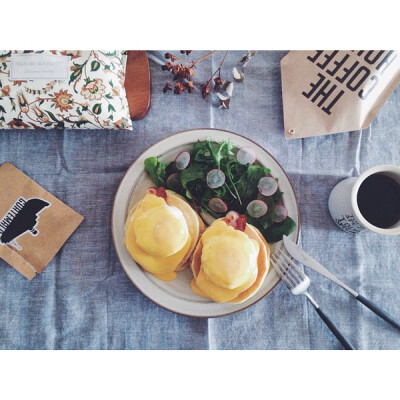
(177, 296)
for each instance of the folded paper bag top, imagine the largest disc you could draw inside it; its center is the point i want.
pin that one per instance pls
(326, 92)
(34, 224)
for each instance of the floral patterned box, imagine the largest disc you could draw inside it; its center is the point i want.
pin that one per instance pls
(93, 97)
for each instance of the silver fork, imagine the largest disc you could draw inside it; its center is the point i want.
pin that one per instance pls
(298, 282)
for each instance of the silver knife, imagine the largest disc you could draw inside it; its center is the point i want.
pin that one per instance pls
(300, 255)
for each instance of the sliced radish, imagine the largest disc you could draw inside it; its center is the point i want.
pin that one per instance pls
(267, 186)
(280, 213)
(215, 178)
(173, 181)
(257, 208)
(182, 160)
(217, 205)
(246, 155)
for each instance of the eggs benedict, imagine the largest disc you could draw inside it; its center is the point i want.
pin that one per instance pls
(161, 232)
(230, 261)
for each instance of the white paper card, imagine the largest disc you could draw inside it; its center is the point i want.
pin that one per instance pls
(32, 66)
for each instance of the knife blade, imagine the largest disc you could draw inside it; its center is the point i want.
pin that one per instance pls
(300, 255)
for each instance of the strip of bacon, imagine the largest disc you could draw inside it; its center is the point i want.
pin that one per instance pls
(236, 220)
(160, 192)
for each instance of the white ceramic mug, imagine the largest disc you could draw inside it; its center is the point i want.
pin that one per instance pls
(343, 205)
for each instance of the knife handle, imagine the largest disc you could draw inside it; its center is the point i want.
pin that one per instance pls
(344, 342)
(378, 311)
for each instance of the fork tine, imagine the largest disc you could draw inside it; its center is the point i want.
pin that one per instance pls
(296, 269)
(284, 272)
(289, 260)
(290, 269)
(284, 267)
(281, 271)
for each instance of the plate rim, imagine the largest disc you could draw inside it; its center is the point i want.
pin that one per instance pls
(113, 211)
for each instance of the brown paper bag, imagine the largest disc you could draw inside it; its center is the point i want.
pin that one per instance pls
(335, 91)
(33, 223)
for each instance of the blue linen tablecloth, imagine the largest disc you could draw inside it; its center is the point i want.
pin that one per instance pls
(84, 300)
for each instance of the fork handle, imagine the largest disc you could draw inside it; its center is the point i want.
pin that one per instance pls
(378, 311)
(344, 342)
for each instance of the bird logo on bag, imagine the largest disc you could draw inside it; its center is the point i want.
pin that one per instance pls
(21, 218)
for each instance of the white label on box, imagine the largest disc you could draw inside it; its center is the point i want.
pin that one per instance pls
(31, 66)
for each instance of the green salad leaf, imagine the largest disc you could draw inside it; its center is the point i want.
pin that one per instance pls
(192, 173)
(156, 170)
(275, 232)
(239, 189)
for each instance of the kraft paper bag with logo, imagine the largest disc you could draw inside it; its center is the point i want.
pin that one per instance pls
(335, 91)
(33, 223)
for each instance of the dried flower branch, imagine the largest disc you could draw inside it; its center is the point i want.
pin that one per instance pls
(238, 78)
(217, 81)
(183, 73)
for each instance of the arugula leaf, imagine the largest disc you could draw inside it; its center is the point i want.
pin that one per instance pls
(275, 232)
(277, 196)
(247, 185)
(229, 174)
(156, 170)
(212, 153)
(220, 151)
(193, 172)
(201, 153)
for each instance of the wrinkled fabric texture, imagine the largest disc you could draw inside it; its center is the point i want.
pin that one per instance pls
(84, 300)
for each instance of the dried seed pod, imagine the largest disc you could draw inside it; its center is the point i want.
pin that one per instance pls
(167, 87)
(229, 89)
(238, 76)
(225, 103)
(222, 97)
(179, 88)
(205, 91)
(190, 87)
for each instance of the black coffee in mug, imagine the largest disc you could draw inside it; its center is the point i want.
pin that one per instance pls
(378, 200)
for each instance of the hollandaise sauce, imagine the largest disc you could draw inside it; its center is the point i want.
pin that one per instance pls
(228, 263)
(157, 237)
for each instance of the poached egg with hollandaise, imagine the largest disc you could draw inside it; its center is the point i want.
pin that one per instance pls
(161, 232)
(230, 261)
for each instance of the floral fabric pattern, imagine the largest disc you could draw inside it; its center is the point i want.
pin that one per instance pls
(94, 97)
